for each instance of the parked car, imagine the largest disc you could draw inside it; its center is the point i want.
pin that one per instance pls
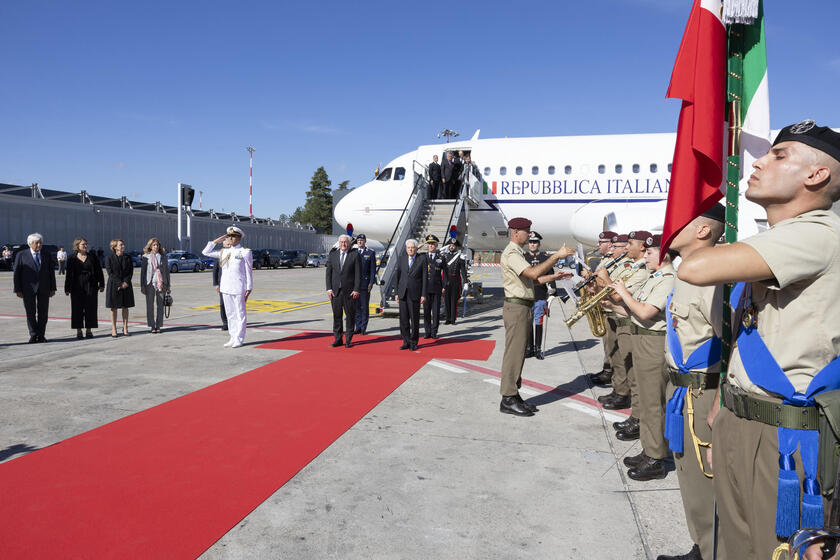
(292, 258)
(136, 257)
(208, 262)
(18, 247)
(266, 258)
(183, 260)
(316, 259)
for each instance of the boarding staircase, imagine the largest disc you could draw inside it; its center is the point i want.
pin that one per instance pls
(422, 217)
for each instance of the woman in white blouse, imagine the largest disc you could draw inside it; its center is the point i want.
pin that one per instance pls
(154, 282)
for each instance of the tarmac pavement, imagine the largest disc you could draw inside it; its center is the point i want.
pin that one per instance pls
(433, 471)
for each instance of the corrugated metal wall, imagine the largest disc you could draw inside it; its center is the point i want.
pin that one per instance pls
(60, 222)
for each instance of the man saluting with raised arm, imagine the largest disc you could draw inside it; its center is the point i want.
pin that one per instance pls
(764, 438)
(236, 283)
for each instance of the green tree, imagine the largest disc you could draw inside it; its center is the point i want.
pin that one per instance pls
(318, 207)
(297, 216)
(343, 185)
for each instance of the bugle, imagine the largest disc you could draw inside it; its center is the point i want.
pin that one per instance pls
(593, 304)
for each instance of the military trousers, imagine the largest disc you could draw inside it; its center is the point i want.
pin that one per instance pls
(651, 380)
(363, 307)
(516, 318)
(697, 490)
(610, 343)
(623, 381)
(745, 458)
(237, 317)
(431, 314)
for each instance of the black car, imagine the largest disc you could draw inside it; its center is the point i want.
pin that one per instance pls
(292, 258)
(18, 247)
(266, 258)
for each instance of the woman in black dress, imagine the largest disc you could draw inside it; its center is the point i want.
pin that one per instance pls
(119, 294)
(84, 277)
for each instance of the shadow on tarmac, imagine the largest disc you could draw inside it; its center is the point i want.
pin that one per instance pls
(16, 449)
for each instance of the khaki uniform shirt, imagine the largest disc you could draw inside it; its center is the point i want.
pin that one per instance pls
(697, 313)
(655, 291)
(798, 311)
(513, 263)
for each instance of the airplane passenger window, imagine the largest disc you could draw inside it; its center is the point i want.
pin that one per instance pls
(551, 170)
(619, 168)
(568, 170)
(602, 168)
(503, 170)
(486, 171)
(636, 168)
(384, 175)
(653, 167)
(669, 168)
(399, 173)
(518, 170)
(535, 170)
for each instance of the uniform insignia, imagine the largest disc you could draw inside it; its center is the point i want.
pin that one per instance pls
(748, 317)
(674, 321)
(803, 127)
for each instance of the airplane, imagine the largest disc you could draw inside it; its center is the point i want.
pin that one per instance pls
(570, 187)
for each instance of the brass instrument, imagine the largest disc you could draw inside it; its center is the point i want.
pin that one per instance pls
(591, 305)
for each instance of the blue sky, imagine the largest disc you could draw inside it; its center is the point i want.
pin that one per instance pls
(131, 98)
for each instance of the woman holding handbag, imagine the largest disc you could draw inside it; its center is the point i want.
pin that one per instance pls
(154, 282)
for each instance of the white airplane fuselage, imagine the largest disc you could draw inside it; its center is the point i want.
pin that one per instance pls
(570, 188)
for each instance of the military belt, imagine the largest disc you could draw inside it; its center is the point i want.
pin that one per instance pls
(623, 322)
(636, 329)
(520, 301)
(693, 379)
(769, 412)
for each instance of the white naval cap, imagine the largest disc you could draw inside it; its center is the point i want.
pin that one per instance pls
(233, 230)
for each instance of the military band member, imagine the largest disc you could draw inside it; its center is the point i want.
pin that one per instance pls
(647, 313)
(435, 283)
(456, 277)
(537, 257)
(789, 331)
(518, 278)
(368, 261)
(624, 383)
(604, 377)
(692, 356)
(236, 282)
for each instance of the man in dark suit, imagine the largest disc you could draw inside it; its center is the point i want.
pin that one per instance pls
(344, 280)
(34, 281)
(448, 175)
(434, 179)
(435, 282)
(411, 293)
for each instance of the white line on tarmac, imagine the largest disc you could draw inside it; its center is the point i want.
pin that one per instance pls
(594, 412)
(443, 365)
(525, 390)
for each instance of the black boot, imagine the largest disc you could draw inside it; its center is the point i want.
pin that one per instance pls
(648, 469)
(529, 350)
(538, 331)
(635, 460)
(619, 402)
(693, 554)
(625, 424)
(629, 433)
(603, 378)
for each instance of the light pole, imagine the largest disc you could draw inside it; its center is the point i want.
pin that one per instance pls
(446, 132)
(251, 185)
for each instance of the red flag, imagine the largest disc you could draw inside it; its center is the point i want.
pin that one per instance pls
(699, 79)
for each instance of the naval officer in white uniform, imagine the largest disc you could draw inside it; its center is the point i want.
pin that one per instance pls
(236, 283)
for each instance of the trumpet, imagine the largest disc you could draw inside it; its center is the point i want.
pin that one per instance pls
(592, 308)
(611, 264)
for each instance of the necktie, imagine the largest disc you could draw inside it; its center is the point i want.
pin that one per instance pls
(410, 262)
(38, 261)
(342, 261)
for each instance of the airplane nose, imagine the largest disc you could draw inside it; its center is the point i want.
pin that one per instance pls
(344, 209)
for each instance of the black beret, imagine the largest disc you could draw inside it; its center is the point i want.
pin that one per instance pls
(821, 138)
(519, 223)
(716, 213)
(535, 237)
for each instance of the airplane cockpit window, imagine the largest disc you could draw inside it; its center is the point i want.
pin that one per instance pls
(535, 170)
(568, 170)
(399, 173)
(619, 168)
(636, 168)
(669, 168)
(653, 167)
(486, 171)
(519, 170)
(503, 170)
(551, 170)
(602, 169)
(384, 175)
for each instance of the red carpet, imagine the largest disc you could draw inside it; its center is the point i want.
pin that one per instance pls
(169, 481)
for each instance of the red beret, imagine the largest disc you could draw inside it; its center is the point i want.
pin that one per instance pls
(639, 235)
(620, 238)
(519, 223)
(653, 241)
(607, 235)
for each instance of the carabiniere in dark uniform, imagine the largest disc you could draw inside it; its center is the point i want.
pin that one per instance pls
(535, 257)
(456, 276)
(368, 258)
(435, 283)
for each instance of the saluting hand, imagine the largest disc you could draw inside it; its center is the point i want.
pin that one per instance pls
(220, 239)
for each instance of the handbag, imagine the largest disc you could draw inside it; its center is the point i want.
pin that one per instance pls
(167, 304)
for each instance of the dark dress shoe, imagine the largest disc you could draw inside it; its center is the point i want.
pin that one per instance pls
(602, 379)
(363, 331)
(79, 335)
(628, 434)
(529, 351)
(510, 405)
(693, 554)
(426, 336)
(413, 346)
(648, 469)
(42, 339)
(349, 345)
(224, 327)
(527, 405)
(33, 339)
(405, 346)
(625, 424)
(635, 460)
(607, 398)
(620, 402)
(538, 353)
(337, 343)
(435, 336)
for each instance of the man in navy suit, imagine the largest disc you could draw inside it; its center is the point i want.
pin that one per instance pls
(344, 282)
(411, 293)
(368, 262)
(34, 281)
